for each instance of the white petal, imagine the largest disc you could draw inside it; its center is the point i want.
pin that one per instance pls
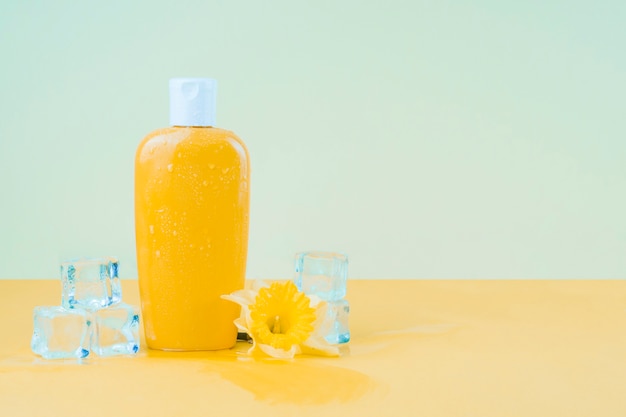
(241, 325)
(314, 301)
(323, 324)
(242, 297)
(256, 284)
(279, 353)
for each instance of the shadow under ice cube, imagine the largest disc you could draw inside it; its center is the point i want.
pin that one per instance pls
(61, 333)
(116, 330)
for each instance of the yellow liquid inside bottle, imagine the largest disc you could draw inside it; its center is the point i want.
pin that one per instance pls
(191, 226)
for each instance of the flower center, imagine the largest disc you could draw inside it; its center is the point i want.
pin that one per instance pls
(277, 327)
(281, 316)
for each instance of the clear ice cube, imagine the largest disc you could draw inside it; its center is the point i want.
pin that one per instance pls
(337, 325)
(61, 333)
(90, 283)
(323, 274)
(116, 330)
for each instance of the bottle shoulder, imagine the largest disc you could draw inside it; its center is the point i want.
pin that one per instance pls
(169, 139)
(181, 133)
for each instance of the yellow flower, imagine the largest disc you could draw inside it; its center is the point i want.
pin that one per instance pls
(281, 316)
(282, 321)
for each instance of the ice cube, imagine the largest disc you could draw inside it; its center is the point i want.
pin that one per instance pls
(116, 330)
(90, 283)
(337, 326)
(61, 333)
(323, 274)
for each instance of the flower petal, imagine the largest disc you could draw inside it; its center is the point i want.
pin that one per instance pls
(240, 323)
(315, 300)
(242, 297)
(323, 324)
(279, 353)
(256, 284)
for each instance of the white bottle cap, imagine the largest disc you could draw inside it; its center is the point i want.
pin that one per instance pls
(192, 101)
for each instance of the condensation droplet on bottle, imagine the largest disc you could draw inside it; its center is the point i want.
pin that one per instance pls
(225, 170)
(170, 167)
(151, 229)
(174, 232)
(211, 166)
(205, 183)
(191, 245)
(157, 253)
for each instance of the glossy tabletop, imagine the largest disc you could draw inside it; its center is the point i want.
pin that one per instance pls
(419, 348)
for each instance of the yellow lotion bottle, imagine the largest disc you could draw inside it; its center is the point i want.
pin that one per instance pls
(191, 223)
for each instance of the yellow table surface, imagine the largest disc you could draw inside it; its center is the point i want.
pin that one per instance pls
(419, 348)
